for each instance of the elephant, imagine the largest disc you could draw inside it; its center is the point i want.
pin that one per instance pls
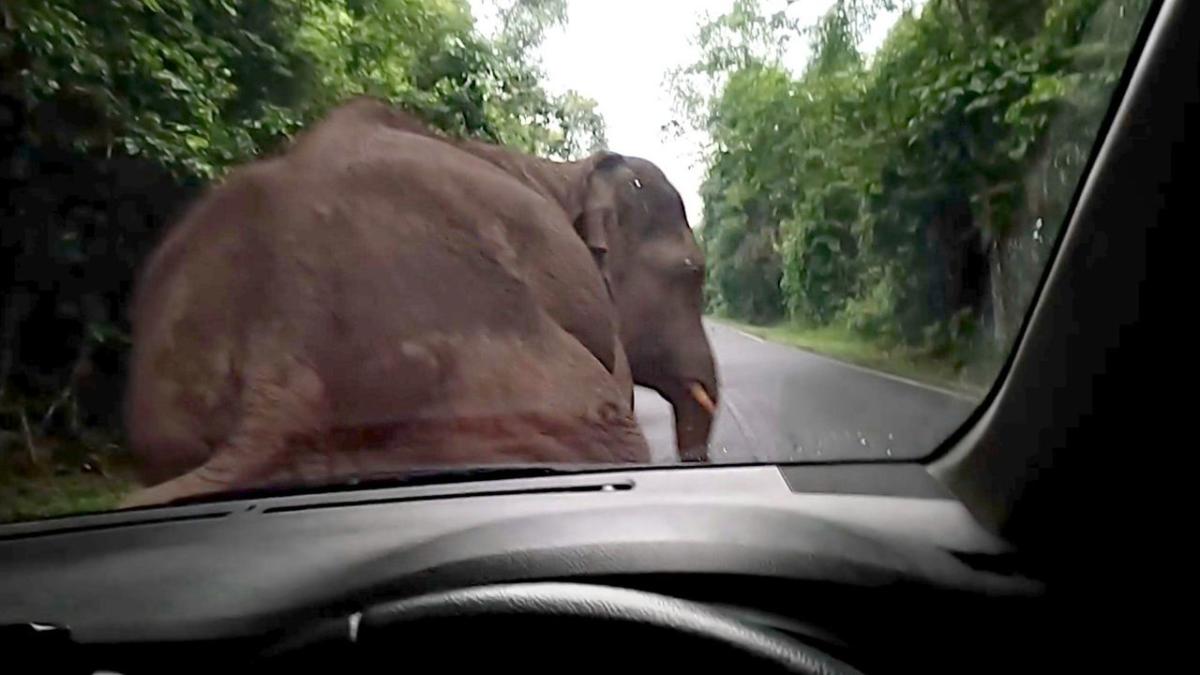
(380, 298)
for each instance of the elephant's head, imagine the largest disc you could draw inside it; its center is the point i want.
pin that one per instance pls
(634, 222)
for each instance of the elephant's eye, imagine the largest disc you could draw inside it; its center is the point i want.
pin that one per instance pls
(636, 183)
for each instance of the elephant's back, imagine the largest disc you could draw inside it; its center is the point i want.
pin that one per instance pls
(399, 268)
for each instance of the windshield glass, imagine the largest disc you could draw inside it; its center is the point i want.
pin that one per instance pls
(278, 245)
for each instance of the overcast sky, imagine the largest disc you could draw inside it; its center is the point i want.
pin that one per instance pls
(618, 51)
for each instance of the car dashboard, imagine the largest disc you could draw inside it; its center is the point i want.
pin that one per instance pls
(876, 565)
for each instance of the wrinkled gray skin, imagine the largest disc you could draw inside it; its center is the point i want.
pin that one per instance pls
(380, 298)
(633, 221)
(656, 272)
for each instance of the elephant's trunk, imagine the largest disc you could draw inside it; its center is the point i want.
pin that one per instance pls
(695, 406)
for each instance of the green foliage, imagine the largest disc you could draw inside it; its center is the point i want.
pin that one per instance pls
(910, 195)
(75, 482)
(199, 85)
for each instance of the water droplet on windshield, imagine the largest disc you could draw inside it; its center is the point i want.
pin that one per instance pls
(890, 437)
(888, 452)
(862, 440)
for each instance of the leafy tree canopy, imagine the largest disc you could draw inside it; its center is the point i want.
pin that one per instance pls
(200, 85)
(911, 193)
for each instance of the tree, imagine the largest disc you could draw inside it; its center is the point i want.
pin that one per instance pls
(911, 195)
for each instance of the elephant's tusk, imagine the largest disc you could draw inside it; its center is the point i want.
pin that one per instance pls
(697, 391)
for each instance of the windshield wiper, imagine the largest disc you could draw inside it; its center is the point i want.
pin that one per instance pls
(413, 478)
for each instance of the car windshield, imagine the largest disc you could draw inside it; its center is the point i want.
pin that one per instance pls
(268, 245)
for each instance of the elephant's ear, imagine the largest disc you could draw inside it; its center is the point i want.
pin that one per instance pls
(599, 213)
(592, 226)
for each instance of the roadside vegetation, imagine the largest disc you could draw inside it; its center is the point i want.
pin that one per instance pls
(61, 477)
(969, 377)
(898, 204)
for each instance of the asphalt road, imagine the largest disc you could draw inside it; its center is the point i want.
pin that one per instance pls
(779, 403)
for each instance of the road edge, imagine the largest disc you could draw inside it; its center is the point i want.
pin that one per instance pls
(962, 395)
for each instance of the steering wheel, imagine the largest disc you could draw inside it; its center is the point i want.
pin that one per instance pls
(566, 627)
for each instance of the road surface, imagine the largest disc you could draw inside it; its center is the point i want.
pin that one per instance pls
(782, 404)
